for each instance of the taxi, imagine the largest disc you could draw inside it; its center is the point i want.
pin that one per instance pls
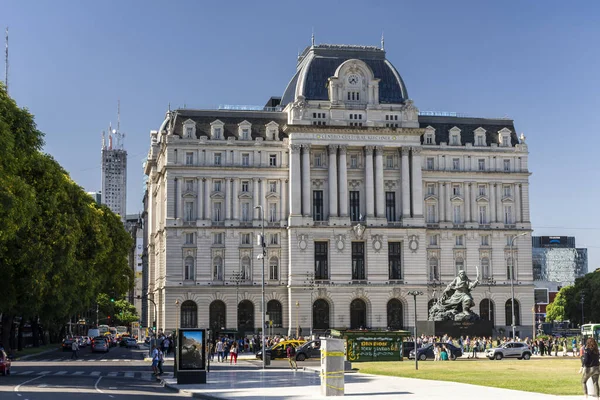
(279, 350)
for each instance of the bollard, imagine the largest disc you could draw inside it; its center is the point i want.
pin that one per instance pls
(332, 367)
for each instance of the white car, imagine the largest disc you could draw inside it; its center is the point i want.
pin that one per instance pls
(517, 350)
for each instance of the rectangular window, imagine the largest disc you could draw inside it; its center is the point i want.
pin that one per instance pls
(353, 161)
(189, 132)
(245, 159)
(354, 205)
(455, 164)
(429, 139)
(217, 212)
(358, 261)
(395, 260)
(508, 214)
(321, 264)
(189, 238)
(429, 162)
(189, 211)
(460, 240)
(390, 206)
(457, 215)
(273, 275)
(189, 185)
(217, 186)
(482, 190)
(318, 162)
(245, 186)
(245, 134)
(189, 269)
(389, 161)
(485, 240)
(483, 215)
(455, 140)
(456, 190)
(189, 158)
(273, 186)
(218, 238)
(274, 239)
(433, 240)
(506, 165)
(217, 133)
(431, 213)
(507, 191)
(246, 238)
(273, 212)
(217, 158)
(431, 188)
(318, 205)
(245, 212)
(481, 164)
(272, 160)
(480, 140)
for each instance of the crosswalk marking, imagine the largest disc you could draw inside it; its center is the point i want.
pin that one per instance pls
(25, 372)
(45, 372)
(61, 373)
(129, 374)
(112, 374)
(95, 373)
(78, 373)
(146, 376)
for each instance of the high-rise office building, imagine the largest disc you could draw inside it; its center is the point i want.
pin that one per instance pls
(114, 173)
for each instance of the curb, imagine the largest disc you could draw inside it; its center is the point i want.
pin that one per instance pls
(189, 394)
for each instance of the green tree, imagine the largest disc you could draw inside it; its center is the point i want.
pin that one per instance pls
(555, 311)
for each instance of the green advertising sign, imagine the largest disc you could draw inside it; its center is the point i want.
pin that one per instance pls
(362, 346)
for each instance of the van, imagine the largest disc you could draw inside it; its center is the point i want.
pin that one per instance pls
(92, 333)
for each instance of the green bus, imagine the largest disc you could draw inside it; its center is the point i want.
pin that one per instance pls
(590, 330)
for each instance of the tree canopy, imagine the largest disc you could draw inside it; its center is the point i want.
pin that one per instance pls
(567, 305)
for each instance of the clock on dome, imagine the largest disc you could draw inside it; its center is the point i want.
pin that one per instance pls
(353, 79)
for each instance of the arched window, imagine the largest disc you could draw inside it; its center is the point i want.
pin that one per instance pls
(358, 314)
(320, 314)
(460, 264)
(275, 314)
(274, 268)
(508, 312)
(485, 268)
(217, 315)
(189, 314)
(394, 314)
(246, 273)
(188, 270)
(486, 310)
(245, 316)
(218, 269)
(434, 272)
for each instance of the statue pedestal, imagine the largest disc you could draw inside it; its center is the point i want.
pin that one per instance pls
(455, 328)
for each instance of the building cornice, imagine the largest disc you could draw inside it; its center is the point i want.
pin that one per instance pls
(353, 130)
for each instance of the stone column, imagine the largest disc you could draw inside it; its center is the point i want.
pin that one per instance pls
(227, 199)
(306, 189)
(474, 210)
(441, 203)
(525, 202)
(379, 196)
(369, 181)
(333, 191)
(417, 183)
(264, 189)
(236, 199)
(405, 184)
(518, 203)
(449, 213)
(281, 210)
(467, 197)
(255, 198)
(207, 190)
(492, 203)
(499, 203)
(295, 188)
(199, 198)
(179, 212)
(343, 182)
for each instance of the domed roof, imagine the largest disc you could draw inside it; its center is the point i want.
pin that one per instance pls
(318, 63)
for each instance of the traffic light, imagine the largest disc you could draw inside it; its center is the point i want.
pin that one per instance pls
(108, 317)
(154, 326)
(112, 300)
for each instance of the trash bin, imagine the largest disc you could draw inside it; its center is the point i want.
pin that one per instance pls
(267, 359)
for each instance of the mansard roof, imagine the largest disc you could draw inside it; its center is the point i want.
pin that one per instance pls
(467, 126)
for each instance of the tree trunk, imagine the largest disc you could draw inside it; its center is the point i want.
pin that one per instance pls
(20, 334)
(7, 321)
(35, 332)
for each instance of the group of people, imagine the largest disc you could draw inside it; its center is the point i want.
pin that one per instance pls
(225, 348)
(165, 345)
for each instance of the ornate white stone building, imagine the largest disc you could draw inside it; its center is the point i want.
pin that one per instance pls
(364, 199)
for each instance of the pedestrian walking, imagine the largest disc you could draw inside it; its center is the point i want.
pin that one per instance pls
(161, 360)
(590, 366)
(74, 349)
(219, 351)
(155, 360)
(291, 355)
(234, 353)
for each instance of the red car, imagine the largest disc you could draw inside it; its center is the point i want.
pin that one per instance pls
(4, 363)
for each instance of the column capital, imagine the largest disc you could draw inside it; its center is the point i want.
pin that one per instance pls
(305, 146)
(343, 149)
(379, 150)
(405, 151)
(369, 150)
(416, 151)
(295, 148)
(332, 148)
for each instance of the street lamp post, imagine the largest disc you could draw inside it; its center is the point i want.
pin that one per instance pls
(236, 278)
(310, 285)
(178, 311)
(582, 299)
(153, 341)
(297, 320)
(264, 254)
(512, 283)
(414, 294)
(490, 282)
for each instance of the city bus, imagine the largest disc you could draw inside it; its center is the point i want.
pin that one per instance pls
(103, 329)
(590, 330)
(121, 330)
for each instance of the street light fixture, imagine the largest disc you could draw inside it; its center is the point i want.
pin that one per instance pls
(512, 283)
(297, 320)
(236, 278)
(153, 340)
(582, 298)
(414, 294)
(310, 285)
(264, 254)
(490, 282)
(178, 312)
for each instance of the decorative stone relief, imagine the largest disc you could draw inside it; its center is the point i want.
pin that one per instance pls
(317, 183)
(358, 230)
(322, 292)
(396, 292)
(377, 242)
(413, 243)
(390, 185)
(339, 242)
(359, 292)
(354, 184)
(302, 242)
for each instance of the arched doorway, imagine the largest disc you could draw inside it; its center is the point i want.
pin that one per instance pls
(274, 311)
(358, 314)
(245, 317)
(217, 321)
(486, 310)
(394, 314)
(508, 312)
(320, 314)
(189, 314)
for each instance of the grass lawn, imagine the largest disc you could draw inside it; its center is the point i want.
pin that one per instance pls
(549, 375)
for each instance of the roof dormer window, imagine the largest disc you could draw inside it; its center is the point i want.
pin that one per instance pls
(480, 137)
(216, 130)
(189, 129)
(429, 135)
(272, 131)
(455, 137)
(244, 131)
(504, 138)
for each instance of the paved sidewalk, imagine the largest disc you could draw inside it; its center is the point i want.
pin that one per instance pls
(248, 382)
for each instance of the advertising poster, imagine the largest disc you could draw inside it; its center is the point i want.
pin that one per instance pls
(192, 349)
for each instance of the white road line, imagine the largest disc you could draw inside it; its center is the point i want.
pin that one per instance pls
(113, 388)
(61, 373)
(78, 373)
(22, 373)
(116, 359)
(129, 375)
(112, 374)
(96, 385)
(95, 373)
(45, 372)
(26, 382)
(104, 359)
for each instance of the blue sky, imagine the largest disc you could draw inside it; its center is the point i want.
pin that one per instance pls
(535, 62)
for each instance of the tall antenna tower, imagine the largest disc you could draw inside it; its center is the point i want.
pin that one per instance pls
(6, 62)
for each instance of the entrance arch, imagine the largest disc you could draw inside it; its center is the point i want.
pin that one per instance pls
(245, 316)
(217, 314)
(320, 312)
(358, 314)
(394, 314)
(189, 314)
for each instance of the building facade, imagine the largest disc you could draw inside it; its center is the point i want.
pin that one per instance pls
(114, 174)
(363, 198)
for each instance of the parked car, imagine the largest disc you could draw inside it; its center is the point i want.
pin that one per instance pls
(100, 343)
(310, 349)
(279, 350)
(130, 343)
(517, 350)
(66, 343)
(426, 352)
(407, 347)
(4, 363)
